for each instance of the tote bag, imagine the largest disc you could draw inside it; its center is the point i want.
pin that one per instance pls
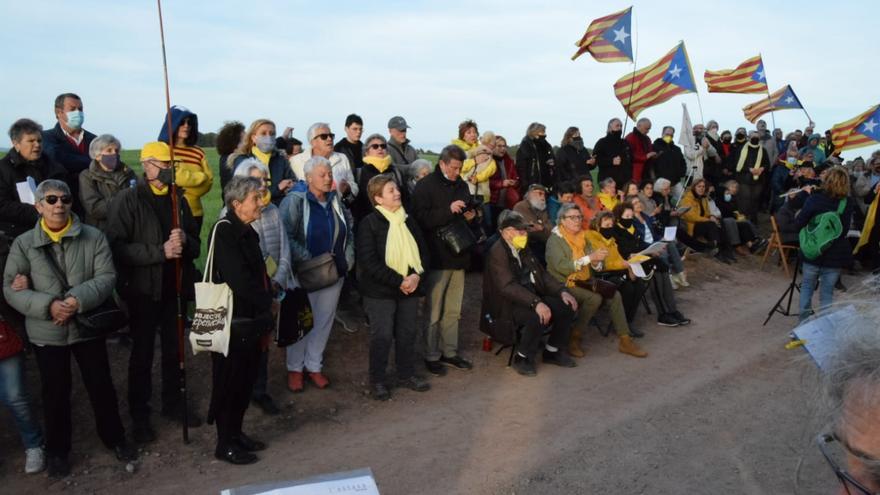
(212, 320)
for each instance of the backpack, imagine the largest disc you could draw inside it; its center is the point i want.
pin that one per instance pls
(822, 230)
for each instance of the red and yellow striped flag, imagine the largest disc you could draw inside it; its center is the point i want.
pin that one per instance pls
(656, 83)
(862, 130)
(609, 38)
(748, 77)
(781, 99)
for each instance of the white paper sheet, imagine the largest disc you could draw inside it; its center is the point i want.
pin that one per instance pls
(669, 233)
(637, 269)
(26, 190)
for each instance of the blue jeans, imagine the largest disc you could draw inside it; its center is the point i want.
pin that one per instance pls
(827, 277)
(14, 396)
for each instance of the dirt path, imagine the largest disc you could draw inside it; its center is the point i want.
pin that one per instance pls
(718, 407)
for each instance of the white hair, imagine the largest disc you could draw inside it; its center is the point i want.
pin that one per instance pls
(661, 184)
(244, 168)
(313, 130)
(313, 162)
(101, 142)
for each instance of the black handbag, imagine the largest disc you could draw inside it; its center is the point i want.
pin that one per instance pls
(107, 318)
(320, 271)
(604, 288)
(457, 236)
(295, 319)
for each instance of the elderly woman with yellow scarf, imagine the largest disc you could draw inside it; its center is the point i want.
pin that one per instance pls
(376, 161)
(571, 259)
(391, 259)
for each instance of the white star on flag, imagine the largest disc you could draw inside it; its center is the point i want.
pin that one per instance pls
(789, 100)
(760, 74)
(869, 126)
(675, 71)
(620, 35)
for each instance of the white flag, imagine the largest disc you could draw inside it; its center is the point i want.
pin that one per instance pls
(686, 137)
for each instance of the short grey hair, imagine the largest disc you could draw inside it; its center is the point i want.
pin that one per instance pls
(50, 185)
(534, 128)
(661, 184)
(23, 126)
(315, 161)
(643, 120)
(244, 168)
(373, 137)
(669, 127)
(565, 208)
(615, 119)
(101, 142)
(420, 164)
(239, 188)
(313, 130)
(607, 181)
(712, 123)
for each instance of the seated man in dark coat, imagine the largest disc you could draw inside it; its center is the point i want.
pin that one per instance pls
(518, 292)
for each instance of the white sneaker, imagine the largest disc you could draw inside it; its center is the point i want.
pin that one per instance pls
(36, 460)
(682, 279)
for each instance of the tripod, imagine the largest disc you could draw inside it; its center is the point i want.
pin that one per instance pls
(789, 292)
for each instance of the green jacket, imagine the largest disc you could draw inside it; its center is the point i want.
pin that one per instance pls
(84, 255)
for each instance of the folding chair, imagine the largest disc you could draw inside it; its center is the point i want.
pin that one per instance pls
(517, 334)
(776, 243)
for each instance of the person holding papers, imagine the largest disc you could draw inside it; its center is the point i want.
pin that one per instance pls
(648, 230)
(647, 259)
(25, 160)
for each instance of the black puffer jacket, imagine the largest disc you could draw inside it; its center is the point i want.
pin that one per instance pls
(375, 278)
(430, 206)
(669, 162)
(605, 150)
(571, 163)
(535, 164)
(17, 217)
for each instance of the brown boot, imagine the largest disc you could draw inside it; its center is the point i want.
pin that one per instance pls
(742, 250)
(627, 346)
(574, 344)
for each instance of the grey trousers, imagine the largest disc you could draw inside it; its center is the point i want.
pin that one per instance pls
(445, 292)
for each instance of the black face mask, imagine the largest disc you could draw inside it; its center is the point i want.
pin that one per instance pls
(616, 134)
(726, 139)
(541, 139)
(626, 222)
(607, 232)
(578, 143)
(754, 140)
(740, 138)
(165, 176)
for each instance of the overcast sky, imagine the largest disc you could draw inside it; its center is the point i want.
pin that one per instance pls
(502, 63)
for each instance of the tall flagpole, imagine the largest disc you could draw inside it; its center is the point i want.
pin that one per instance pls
(633, 78)
(175, 224)
(767, 88)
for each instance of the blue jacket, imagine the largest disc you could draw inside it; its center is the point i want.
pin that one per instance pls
(839, 255)
(58, 148)
(179, 113)
(296, 215)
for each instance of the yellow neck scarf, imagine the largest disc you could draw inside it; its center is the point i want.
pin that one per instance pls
(631, 229)
(381, 164)
(401, 250)
(744, 152)
(157, 191)
(53, 235)
(259, 155)
(607, 200)
(578, 244)
(869, 225)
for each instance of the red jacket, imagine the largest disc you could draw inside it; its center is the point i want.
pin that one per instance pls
(512, 196)
(640, 146)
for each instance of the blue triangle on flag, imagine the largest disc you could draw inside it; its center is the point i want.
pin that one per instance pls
(870, 126)
(620, 34)
(678, 72)
(758, 75)
(788, 100)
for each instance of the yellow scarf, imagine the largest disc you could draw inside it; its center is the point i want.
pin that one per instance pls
(578, 244)
(607, 200)
(159, 192)
(744, 152)
(55, 236)
(631, 229)
(267, 198)
(869, 225)
(259, 155)
(381, 164)
(401, 250)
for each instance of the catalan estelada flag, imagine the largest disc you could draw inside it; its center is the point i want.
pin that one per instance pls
(656, 83)
(609, 38)
(863, 130)
(781, 99)
(748, 77)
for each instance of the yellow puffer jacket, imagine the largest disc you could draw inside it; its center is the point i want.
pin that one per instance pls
(692, 216)
(614, 261)
(194, 175)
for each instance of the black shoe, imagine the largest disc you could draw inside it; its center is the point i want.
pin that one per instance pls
(380, 392)
(266, 404)
(235, 455)
(142, 432)
(174, 413)
(524, 366)
(635, 332)
(758, 245)
(125, 452)
(435, 368)
(839, 286)
(248, 444)
(559, 358)
(667, 320)
(680, 317)
(58, 467)
(457, 362)
(415, 383)
(722, 258)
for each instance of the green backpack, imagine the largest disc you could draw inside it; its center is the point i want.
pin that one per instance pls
(822, 230)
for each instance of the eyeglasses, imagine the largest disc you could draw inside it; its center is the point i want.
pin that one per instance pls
(325, 136)
(52, 199)
(833, 452)
(377, 146)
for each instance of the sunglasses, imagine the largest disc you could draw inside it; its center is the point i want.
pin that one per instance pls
(325, 136)
(52, 199)
(377, 146)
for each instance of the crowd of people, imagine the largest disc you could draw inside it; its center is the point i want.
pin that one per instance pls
(560, 235)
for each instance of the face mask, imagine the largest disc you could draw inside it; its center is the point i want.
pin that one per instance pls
(578, 143)
(110, 161)
(740, 138)
(753, 140)
(626, 222)
(616, 134)
(698, 134)
(75, 119)
(519, 242)
(265, 143)
(726, 139)
(607, 232)
(728, 197)
(164, 176)
(667, 139)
